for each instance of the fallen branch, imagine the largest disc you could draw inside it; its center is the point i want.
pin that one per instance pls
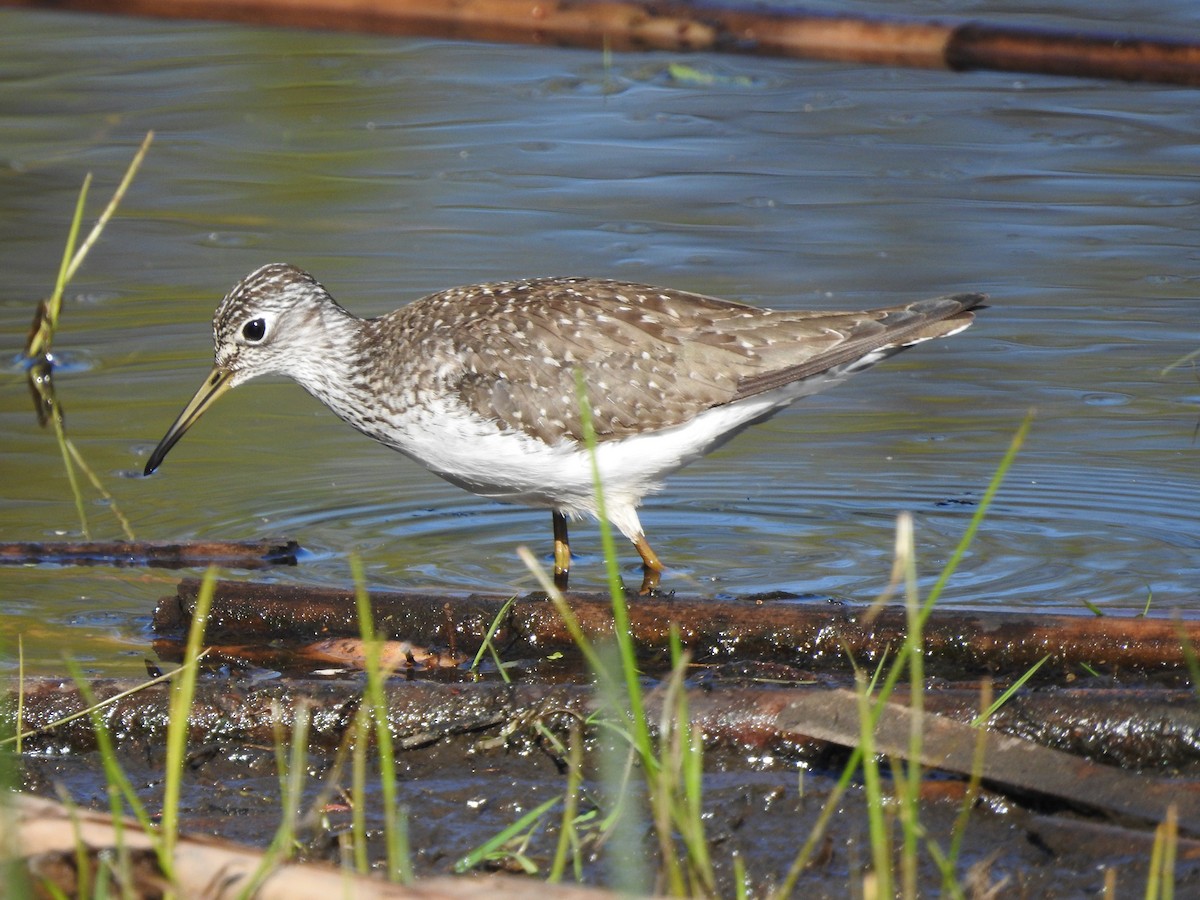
(1133, 728)
(1013, 763)
(49, 838)
(960, 644)
(233, 554)
(682, 27)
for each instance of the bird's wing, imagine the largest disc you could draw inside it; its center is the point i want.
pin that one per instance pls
(643, 355)
(835, 340)
(650, 358)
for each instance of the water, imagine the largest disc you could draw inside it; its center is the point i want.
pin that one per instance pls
(391, 168)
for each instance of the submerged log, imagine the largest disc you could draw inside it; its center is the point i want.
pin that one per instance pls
(232, 554)
(806, 722)
(959, 643)
(629, 25)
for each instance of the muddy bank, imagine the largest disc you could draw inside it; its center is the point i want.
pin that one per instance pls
(1077, 769)
(474, 758)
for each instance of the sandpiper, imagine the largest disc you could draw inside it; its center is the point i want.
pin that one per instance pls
(479, 383)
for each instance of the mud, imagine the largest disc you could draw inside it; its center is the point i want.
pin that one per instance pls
(1074, 780)
(471, 760)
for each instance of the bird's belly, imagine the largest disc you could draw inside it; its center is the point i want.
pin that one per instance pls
(513, 466)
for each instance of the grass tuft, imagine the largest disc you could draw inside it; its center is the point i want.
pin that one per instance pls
(38, 355)
(395, 825)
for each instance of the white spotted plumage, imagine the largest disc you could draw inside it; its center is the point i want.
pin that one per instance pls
(478, 383)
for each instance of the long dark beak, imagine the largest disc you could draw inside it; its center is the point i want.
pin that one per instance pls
(217, 383)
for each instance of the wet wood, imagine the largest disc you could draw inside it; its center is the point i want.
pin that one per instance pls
(48, 837)
(195, 554)
(240, 712)
(797, 33)
(1133, 728)
(818, 636)
(976, 45)
(351, 653)
(794, 722)
(1062, 835)
(1016, 764)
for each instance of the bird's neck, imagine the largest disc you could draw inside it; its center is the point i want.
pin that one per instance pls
(331, 358)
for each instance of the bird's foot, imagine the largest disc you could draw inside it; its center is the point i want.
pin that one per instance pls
(650, 580)
(652, 567)
(561, 577)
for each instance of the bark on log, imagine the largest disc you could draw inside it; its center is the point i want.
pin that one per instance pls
(703, 27)
(959, 643)
(232, 554)
(801, 722)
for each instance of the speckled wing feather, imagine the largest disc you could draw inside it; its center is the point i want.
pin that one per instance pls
(857, 335)
(661, 358)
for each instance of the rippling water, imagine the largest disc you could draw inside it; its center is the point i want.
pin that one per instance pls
(391, 168)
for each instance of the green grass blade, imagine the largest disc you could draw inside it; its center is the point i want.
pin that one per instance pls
(183, 692)
(489, 647)
(83, 864)
(621, 623)
(945, 865)
(1149, 600)
(54, 304)
(103, 703)
(20, 723)
(958, 833)
(498, 840)
(623, 695)
(399, 860)
(118, 195)
(1182, 361)
(567, 833)
(358, 791)
(291, 769)
(935, 592)
(570, 620)
(119, 788)
(805, 855)
(41, 339)
(492, 629)
(985, 503)
(60, 436)
(981, 720)
(98, 485)
(908, 785)
(881, 852)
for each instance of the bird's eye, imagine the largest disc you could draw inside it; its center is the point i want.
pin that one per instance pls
(255, 330)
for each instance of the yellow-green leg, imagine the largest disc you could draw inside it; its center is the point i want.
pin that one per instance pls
(562, 550)
(652, 568)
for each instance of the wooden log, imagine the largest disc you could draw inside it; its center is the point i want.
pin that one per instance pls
(796, 722)
(232, 554)
(238, 712)
(960, 644)
(50, 838)
(677, 26)
(1016, 764)
(1134, 729)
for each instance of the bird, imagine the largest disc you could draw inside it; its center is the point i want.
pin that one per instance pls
(484, 385)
